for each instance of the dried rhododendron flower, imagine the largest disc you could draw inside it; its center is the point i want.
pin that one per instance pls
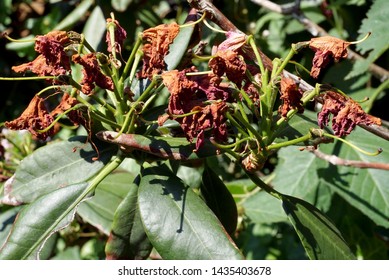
(156, 46)
(346, 114)
(65, 104)
(291, 97)
(120, 35)
(326, 48)
(230, 63)
(188, 97)
(52, 60)
(92, 73)
(34, 118)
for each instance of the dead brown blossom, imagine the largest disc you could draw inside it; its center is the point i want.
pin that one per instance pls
(230, 63)
(156, 46)
(326, 48)
(92, 74)
(346, 114)
(291, 97)
(35, 118)
(52, 60)
(200, 101)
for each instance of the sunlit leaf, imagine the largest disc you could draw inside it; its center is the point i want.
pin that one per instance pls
(39, 220)
(177, 221)
(52, 167)
(99, 210)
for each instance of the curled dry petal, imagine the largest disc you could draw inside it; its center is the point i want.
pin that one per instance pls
(65, 104)
(230, 63)
(346, 114)
(291, 97)
(188, 97)
(34, 118)
(92, 73)
(156, 46)
(120, 35)
(52, 60)
(326, 48)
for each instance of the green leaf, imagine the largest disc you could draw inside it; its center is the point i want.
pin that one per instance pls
(376, 22)
(95, 27)
(177, 221)
(73, 17)
(52, 167)
(320, 238)
(297, 175)
(263, 208)
(120, 5)
(128, 239)
(39, 220)
(365, 189)
(298, 126)
(6, 220)
(179, 46)
(99, 210)
(219, 200)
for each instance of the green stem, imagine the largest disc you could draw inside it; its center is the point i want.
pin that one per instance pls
(285, 61)
(128, 65)
(237, 125)
(263, 185)
(291, 142)
(251, 129)
(353, 146)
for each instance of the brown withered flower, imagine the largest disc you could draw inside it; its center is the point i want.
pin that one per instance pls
(34, 118)
(120, 35)
(291, 97)
(230, 63)
(193, 97)
(156, 46)
(92, 74)
(326, 48)
(346, 114)
(52, 60)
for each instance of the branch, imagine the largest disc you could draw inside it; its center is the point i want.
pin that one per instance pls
(294, 10)
(344, 162)
(218, 17)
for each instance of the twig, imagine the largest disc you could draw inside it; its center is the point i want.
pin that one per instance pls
(217, 16)
(294, 10)
(345, 162)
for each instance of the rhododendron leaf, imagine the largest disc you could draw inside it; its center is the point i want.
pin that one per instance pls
(219, 200)
(121, 5)
(99, 210)
(320, 238)
(179, 47)
(38, 221)
(128, 239)
(178, 222)
(55, 166)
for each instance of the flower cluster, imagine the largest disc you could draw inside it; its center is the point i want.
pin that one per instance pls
(54, 63)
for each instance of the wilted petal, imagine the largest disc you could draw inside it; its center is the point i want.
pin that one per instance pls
(326, 48)
(346, 114)
(92, 73)
(230, 63)
(290, 96)
(34, 118)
